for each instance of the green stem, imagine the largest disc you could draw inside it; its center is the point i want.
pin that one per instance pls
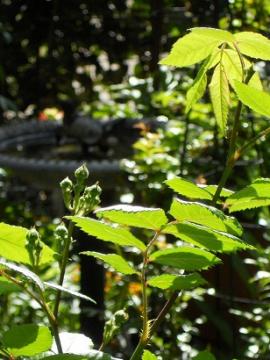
(145, 328)
(63, 268)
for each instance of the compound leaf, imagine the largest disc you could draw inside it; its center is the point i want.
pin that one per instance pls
(186, 258)
(176, 282)
(137, 216)
(191, 49)
(254, 45)
(204, 215)
(114, 260)
(107, 232)
(220, 96)
(188, 189)
(27, 340)
(255, 99)
(206, 238)
(218, 34)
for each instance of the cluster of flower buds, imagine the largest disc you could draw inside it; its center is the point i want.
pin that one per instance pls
(34, 246)
(77, 197)
(61, 236)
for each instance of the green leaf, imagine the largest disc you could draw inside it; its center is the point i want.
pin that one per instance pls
(27, 340)
(252, 196)
(12, 245)
(253, 44)
(188, 189)
(220, 96)
(137, 216)
(255, 82)
(147, 355)
(232, 66)
(191, 49)
(177, 282)
(29, 275)
(69, 291)
(7, 287)
(198, 87)
(204, 355)
(115, 261)
(255, 99)
(204, 215)
(218, 34)
(92, 355)
(212, 190)
(186, 258)
(106, 232)
(206, 238)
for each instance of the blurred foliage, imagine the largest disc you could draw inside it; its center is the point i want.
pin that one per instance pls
(105, 55)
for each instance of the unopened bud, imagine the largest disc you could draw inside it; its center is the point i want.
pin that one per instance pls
(61, 231)
(82, 174)
(67, 191)
(32, 237)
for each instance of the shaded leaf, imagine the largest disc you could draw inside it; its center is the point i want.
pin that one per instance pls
(27, 340)
(204, 215)
(186, 258)
(68, 291)
(255, 99)
(220, 96)
(207, 238)
(29, 275)
(177, 282)
(188, 189)
(107, 232)
(253, 44)
(137, 216)
(114, 260)
(204, 355)
(12, 245)
(7, 287)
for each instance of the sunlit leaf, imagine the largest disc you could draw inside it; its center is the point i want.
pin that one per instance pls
(147, 355)
(68, 291)
(220, 96)
(212, 190)
(204, 215)
(12, 245)
(253, 44)
(137, 216)
(107, 232)
(255, 99)
(218, 34)
(191, 49)
(114, 260)
(186, 258)
(188, 189)
(206, 238)
(177, 282)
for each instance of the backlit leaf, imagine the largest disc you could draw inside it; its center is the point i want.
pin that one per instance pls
(186, 258)
(206, 238)
(252, 196)
(27, 340)
(255, 99)
(147, 355)
(188, 189)
(12, 245)
(137, 216)
(220, 96)
(218, 34)
(253, 44)
(191, 49)
(176, 282)
(204, 215)
(107, 232)
(255, 81)
(212, 190)
(114, 260)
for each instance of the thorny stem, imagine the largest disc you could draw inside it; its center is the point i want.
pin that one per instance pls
(145, 328)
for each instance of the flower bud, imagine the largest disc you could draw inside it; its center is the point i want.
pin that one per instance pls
(67, 191)
(81, 174)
